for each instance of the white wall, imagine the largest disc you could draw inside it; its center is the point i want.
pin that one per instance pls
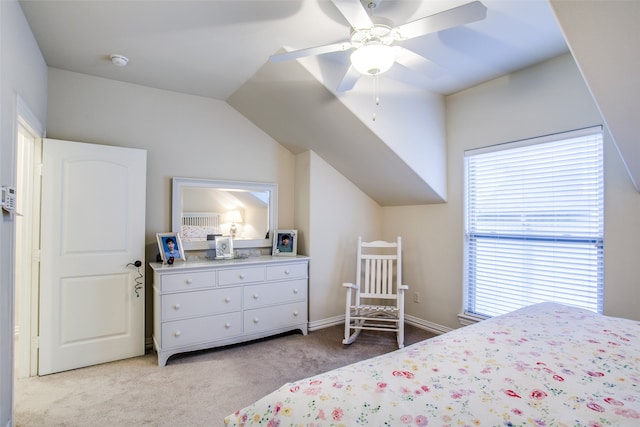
(409, 120)
(184, 135)
(547, 98)
(23, 74)
(338, 212)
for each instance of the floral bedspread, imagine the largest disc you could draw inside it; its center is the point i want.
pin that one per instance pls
(544, 365)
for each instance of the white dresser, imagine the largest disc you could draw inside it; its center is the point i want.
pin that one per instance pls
(210, 304)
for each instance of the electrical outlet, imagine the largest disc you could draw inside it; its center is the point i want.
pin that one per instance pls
(416, 297)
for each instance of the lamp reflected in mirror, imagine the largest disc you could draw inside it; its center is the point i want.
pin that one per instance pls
(234, 217)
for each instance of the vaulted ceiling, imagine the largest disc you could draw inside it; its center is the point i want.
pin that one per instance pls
(220, 49)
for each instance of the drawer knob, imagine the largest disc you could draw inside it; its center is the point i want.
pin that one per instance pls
(295, 313)
(241, 276)
(227, 325)
(227, 299)
(188, 281)
(256, 320)
(255, 296)
(286, 272)
(295, 290)
(177, 333)
(176, 306)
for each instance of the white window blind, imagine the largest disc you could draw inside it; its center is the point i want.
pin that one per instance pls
(534, 224)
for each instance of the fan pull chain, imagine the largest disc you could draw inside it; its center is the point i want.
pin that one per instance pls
(376, 98)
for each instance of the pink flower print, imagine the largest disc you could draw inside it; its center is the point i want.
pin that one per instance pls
(425, 388)
(313, 391)
(456, 394)
(612, 401)
(321, 415)
(538, 394)
(277, 408)
(381, 386)
(516, 411)
(512, 393)
(405, 374)
(337, 385)
(421, 420)
(406, 419)
(337, 414)
(595, 407)
(295, 389)
(595, 374)
(627, 412)
(315, 382)
(558, 378)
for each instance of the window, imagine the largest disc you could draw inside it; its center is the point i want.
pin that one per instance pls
(534, 224)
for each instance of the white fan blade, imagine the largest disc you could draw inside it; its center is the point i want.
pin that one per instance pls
(354, 13)
(319, 50)
(349, 80)
(411, 60)
(460, 15)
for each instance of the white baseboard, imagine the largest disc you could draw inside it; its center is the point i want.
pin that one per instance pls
(427, 326)
(325, 323)
(411, 320)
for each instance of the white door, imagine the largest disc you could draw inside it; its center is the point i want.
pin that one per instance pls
(93, 210)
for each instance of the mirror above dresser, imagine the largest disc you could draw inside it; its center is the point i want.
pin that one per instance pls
(246, 211)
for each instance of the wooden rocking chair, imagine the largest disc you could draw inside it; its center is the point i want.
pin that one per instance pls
(376, 300)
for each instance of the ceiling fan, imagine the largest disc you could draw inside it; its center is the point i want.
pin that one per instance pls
(374, 39)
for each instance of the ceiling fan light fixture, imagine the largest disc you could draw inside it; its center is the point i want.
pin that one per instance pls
(373, 59)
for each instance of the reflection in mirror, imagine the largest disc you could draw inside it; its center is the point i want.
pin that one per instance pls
(246, 211)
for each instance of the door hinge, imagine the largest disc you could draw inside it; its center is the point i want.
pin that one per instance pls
(35, 342)
(38, 169)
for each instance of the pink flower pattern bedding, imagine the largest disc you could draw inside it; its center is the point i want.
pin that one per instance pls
(544, 365)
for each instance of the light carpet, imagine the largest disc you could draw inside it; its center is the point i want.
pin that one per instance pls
(194, 389)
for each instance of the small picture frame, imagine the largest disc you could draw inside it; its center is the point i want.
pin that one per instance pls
(285, 243)
(170, 247)
(224, 247)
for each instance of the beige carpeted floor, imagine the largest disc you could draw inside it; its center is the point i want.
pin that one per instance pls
(194, 389)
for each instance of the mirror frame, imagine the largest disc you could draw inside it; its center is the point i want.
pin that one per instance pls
(179, 184)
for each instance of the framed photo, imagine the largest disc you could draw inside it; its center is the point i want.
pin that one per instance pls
(285, 243)
(224, 247)
(170, 247)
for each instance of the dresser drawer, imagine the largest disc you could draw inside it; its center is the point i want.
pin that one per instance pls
(262, 319)
(186, 281)
(237, 276)
(274, 293)
(287, 271)
(200, 303)
(201, 329)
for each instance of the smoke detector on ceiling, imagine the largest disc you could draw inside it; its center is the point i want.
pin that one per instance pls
(119, 60)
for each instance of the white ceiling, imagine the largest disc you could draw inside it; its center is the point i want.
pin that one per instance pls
(212, 47)
(220, 48)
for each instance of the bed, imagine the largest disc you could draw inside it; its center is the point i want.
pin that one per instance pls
(543, 365)
(196, 226)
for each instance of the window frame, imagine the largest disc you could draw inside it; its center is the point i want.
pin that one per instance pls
(470, 314)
